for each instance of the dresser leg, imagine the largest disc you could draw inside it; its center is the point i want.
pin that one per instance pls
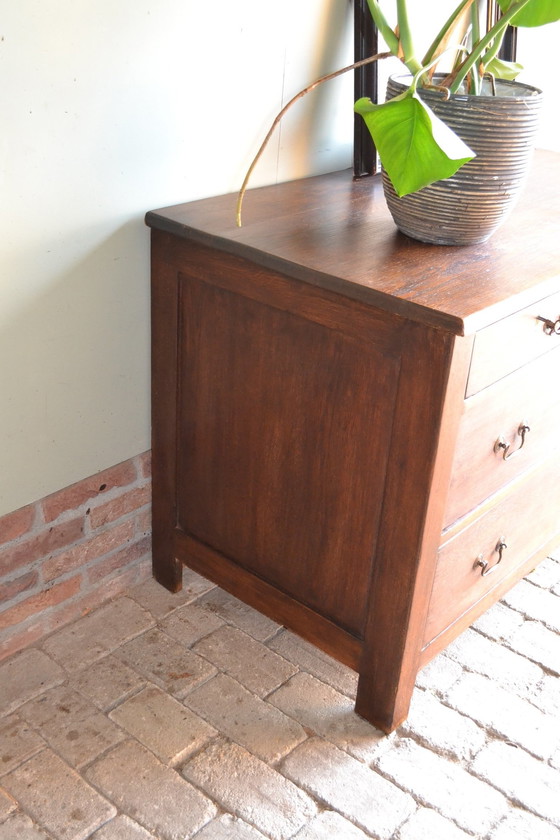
(385, 712)
(166, 569)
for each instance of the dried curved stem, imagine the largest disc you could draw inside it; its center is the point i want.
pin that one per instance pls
(281, 113)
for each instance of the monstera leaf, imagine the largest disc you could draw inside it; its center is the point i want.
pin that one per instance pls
(501, 69)
(415, 146)
(535, 13)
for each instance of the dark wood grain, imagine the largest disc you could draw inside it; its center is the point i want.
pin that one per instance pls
(337, 233)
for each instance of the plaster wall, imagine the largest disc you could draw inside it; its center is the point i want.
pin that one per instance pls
(109, 109)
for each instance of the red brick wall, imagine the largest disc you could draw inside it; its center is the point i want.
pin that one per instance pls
(69, 552)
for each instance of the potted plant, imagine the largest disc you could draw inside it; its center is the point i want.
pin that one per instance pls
(454, 146)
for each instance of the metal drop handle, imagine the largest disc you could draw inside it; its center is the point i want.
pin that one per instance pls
(550, 327)
(501, 545)
(503, 446)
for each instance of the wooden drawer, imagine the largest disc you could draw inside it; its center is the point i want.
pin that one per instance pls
(529, 396)
(512, 342)
(524, 516)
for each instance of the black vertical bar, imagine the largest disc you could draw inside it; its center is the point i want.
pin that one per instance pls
(508, 50)
(365, 84)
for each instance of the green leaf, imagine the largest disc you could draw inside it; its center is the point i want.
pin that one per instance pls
(415, 146)
(503, 69)
(534, 13)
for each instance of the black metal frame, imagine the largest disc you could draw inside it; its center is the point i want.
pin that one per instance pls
(365, 84)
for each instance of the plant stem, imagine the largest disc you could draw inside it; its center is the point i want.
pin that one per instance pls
(383, 26)
(475, 36)
(496, 32)
(407, 54)
(286, 107)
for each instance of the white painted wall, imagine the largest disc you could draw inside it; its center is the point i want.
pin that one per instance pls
(109, 109)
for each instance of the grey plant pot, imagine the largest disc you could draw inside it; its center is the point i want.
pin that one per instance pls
(468, 207)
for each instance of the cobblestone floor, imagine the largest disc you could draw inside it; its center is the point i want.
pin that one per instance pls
(193, 716)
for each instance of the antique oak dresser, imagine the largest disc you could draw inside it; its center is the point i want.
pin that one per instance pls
(353, 432)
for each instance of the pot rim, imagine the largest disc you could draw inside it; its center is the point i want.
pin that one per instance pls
(525, 91)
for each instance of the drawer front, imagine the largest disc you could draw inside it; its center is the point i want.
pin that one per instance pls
(512, 342)
(525, 517)
(494, 445)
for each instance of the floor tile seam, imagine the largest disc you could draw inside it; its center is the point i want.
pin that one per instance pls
(222, 670)
(232, 623)
(512, 800)
(106, 710)
(528, 616)
(490, 730)
(467, 669)
(44, 746)
(324, 805)
(255, 697)
(423, 802)
(72, 671)
(219, 805)
(37, 822)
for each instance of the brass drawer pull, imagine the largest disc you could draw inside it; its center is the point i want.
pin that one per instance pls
(504, 447)
(550, 327)
(486, 568)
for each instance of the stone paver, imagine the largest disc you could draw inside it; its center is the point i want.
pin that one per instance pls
(523, 778)
(499, 622)
(442, 729)
(309, 658)
(233, 611)
(330, 825)
(519, 825)
(536, 603)
(107, 682)
(506, 714)
(426, 824)
(80, 644)
(160, 602)
(18, 742)
(20, 827)
(228, 827)
(190, 624)
(7, 804)
(164, 661)
(72, 725)
(245, 718)
(171, 731)
(246, 660)
(251, 789)
(193, 717)
(439, 674)
(547, 574)
(546, 695)
(443, 785)
(153, 795)
(326, 712)
(70, 810)
(24, 676)
(476, 653)
(538, 644)
(122, 828)
(347, 786)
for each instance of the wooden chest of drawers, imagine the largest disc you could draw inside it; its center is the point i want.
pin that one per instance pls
(355, 433)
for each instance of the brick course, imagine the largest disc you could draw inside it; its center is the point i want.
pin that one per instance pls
(68, 553)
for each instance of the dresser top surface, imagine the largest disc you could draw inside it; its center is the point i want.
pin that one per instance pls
(334, 232)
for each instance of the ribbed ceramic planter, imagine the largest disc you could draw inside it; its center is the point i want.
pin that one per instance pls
(468, 207)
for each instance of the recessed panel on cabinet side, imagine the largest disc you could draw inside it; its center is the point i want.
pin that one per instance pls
(284, 430)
